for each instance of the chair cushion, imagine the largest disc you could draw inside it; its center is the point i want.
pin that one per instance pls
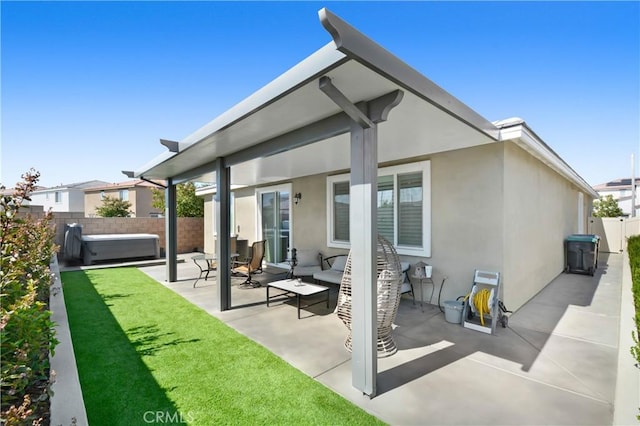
(307, 258)
(306, 271)
(339, 263)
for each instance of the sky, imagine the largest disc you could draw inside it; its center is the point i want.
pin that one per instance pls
(89, 88)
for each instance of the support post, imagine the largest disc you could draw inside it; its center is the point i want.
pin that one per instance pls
(171, 231)
(363, 224)
(363, 236)
(222, 209)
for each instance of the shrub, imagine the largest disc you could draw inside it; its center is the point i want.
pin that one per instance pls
(633, 248)
(26, 331)
(114, 207)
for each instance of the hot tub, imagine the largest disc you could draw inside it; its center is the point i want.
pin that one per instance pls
(119, 246)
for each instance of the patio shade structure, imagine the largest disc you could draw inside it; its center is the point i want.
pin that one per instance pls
(338, 100)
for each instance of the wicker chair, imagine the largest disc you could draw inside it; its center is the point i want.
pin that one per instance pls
(389, 282)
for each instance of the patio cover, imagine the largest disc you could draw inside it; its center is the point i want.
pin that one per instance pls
(337, 100)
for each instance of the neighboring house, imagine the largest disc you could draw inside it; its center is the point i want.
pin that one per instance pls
(9, 192)
(64, 198)
(453, 189)
(137, 192)
(620, 190)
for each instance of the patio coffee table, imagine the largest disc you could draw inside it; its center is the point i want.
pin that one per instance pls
(299, 289)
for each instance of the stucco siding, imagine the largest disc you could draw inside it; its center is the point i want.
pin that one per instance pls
(541, 209)
(467, 216)
(309, 224)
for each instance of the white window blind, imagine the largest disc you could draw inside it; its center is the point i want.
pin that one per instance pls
(403, 208)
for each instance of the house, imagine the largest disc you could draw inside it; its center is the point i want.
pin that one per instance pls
(371, 145)
(64, 198)
(137, 192)
(620, 190)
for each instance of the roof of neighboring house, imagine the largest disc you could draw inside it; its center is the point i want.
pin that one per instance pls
(136, 183)
(616, 185)
(11, 191)
(80, 186)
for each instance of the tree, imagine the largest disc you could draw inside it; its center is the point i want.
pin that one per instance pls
(187, 202)
(606, 207)
(114, 207)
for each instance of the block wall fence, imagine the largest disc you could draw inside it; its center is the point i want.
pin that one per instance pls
(190, 229)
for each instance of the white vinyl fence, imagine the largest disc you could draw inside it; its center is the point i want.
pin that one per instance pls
(614, 231)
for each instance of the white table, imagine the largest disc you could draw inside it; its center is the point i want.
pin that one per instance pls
(293, 287)
(209, 264)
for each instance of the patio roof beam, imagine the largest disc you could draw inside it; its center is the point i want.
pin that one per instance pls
(172, 146)
(326, 128)
(356, 45)
(345, 104)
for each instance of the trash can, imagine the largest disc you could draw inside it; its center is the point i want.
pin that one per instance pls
(453, 311)
(582, 253)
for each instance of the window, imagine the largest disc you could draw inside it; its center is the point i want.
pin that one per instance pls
(58, 197)
(404, 208)
(102, 195)
(124, 195)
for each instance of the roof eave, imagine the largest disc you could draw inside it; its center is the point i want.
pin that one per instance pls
(521, 133)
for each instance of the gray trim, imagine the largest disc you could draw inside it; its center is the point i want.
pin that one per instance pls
(172, 146)
(356, 45)
(334, 125)
(344, 103)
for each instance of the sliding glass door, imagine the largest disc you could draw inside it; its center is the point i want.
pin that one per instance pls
(275, 220)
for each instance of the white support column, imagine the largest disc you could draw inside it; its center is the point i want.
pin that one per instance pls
(363, 236)
(171, 231)
(363, 224)
(222, 207)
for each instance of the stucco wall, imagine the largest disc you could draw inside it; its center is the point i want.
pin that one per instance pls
(541, 209)
(466, 228)
(494, 207)
(310, 215)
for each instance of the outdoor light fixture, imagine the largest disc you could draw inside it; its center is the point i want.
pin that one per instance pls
(297, 197)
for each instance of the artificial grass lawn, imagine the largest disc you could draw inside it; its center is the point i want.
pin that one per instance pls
(146, 355)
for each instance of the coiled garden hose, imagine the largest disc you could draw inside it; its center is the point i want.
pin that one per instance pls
(481, 302)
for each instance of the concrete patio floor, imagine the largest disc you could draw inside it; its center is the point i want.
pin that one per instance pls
(555, 363)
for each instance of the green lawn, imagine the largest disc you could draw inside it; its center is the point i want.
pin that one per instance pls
(146, 355)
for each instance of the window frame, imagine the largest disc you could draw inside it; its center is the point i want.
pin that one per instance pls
(420, 166)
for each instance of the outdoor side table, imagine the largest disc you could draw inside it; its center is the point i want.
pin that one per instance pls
(427, 280)
(208, 265)
(298, 289)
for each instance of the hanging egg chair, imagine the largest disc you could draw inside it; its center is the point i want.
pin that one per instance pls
(388, 283)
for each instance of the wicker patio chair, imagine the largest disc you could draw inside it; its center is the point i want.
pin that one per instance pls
(389, 282)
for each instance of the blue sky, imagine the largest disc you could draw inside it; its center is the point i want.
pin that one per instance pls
(89, 88)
